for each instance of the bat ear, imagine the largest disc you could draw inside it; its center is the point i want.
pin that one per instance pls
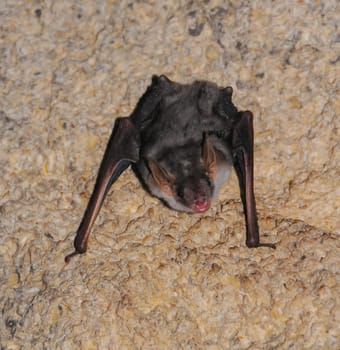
(163, 179)
(228, 90)
(160, 79)
(227, 93)
(209, 157)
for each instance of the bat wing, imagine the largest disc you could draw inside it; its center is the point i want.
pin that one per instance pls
(243, 154)
(121, 151)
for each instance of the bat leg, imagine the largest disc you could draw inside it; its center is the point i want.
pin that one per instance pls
(121, 151)
(243, 156)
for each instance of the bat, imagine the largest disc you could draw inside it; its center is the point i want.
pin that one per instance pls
(182, 141)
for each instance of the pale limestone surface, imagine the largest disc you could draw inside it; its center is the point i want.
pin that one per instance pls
(154, 278)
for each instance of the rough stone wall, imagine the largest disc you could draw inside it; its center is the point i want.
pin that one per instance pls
(154, 278)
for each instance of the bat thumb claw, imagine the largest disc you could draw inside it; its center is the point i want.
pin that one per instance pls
(70, 256)
(258, 244)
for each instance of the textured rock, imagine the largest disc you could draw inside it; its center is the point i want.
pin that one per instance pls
(154, 278)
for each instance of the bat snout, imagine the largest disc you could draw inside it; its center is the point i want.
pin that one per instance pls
(201, 205)
(198, 194)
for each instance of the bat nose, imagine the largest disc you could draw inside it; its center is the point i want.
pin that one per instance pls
(201, 205)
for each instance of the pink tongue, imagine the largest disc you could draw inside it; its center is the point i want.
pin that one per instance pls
(201, 206)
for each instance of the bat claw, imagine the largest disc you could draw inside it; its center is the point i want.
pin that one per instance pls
(269, 245)
(70, 256)
(258, 244)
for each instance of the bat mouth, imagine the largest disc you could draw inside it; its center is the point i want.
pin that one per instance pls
(200, 206)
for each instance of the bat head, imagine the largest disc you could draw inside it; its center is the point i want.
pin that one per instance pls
(184, 177)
